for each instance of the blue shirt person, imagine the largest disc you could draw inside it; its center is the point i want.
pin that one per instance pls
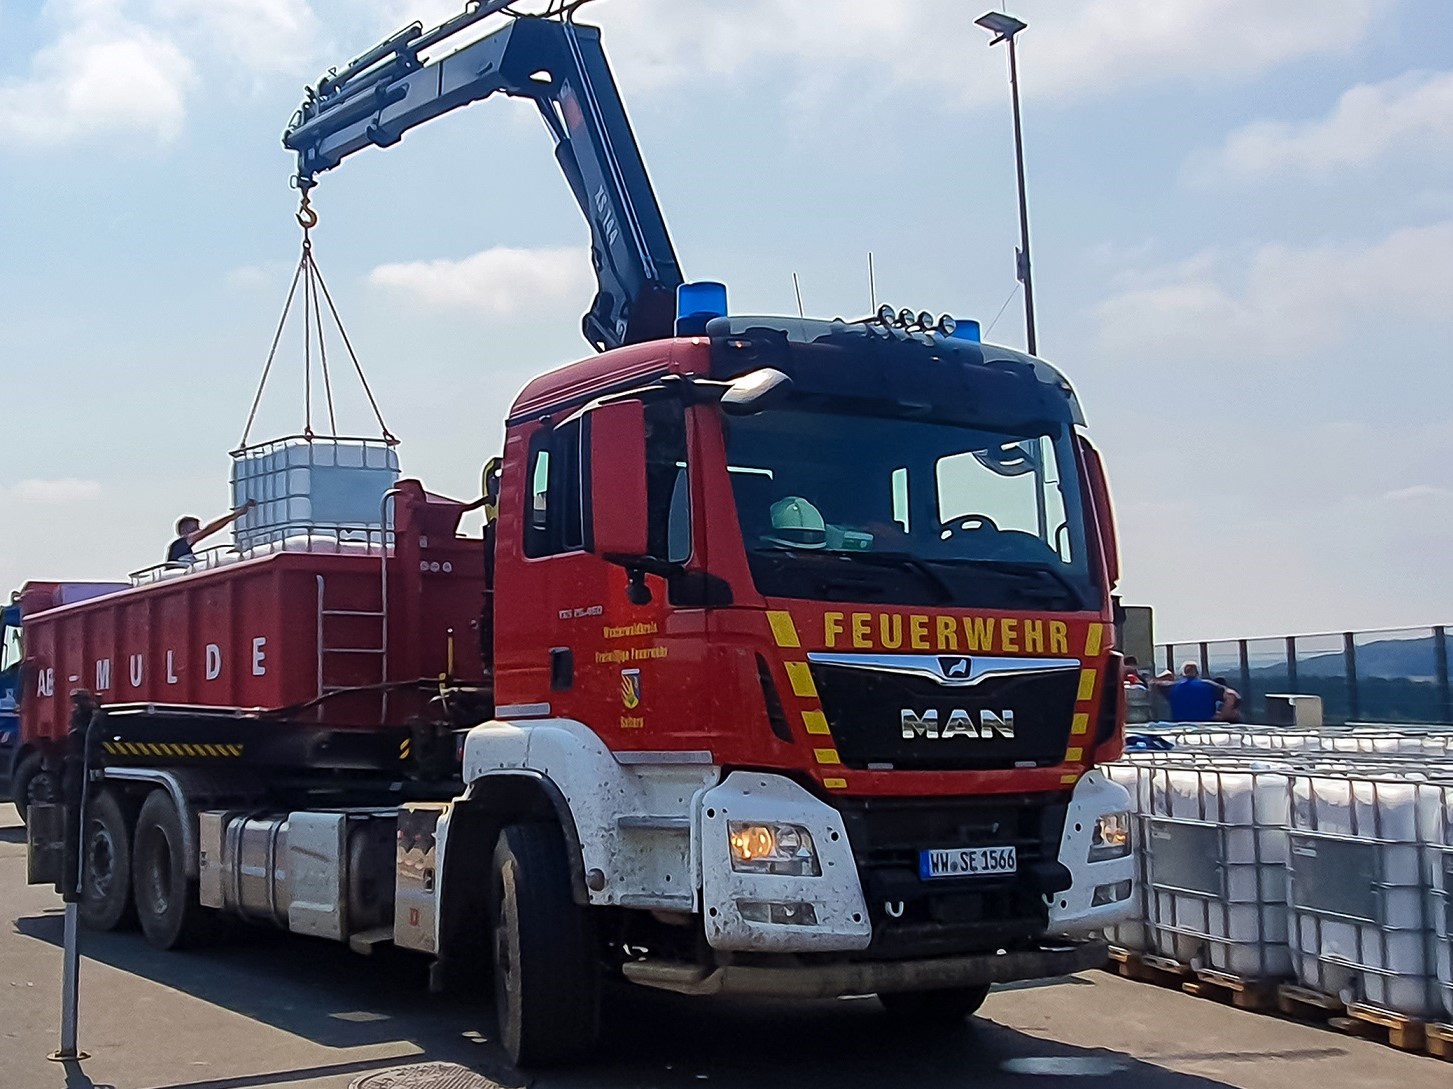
(1193, 698)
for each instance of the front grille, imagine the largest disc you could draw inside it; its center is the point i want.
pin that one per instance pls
(913, 917)
(867, 710)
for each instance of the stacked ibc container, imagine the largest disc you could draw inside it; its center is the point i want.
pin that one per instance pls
(1360, 925)
(1319, 858)
(1212, 857)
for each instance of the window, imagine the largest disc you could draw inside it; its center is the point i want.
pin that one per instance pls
(9, 648)
(853, 507)
(668, 489)
(557, 515)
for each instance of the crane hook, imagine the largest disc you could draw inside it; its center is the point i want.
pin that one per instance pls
(307, 218)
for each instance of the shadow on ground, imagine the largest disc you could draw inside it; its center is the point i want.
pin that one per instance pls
(326, 994)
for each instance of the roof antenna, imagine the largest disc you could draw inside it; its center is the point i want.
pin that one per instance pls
(872, 284)
(797, 287)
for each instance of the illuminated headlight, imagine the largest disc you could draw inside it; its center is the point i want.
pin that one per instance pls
(783, 849)
(1111, 838)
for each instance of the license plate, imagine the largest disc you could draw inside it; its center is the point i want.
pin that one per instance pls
(966, 862)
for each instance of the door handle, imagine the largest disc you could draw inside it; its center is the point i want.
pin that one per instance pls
(562, 669)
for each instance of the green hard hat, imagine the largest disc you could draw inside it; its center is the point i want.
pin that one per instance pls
(796, 523)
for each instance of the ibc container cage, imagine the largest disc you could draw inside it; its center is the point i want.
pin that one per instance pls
(312, 486)
(1212, 835)
(1361, 927)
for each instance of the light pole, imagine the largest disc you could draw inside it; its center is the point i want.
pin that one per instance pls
(1004, 28)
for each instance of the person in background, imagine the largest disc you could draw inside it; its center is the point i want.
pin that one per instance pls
(1137, 696)
(1229, 709)
(190, 531)
(1192, 698)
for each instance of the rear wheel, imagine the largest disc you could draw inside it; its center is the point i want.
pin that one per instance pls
(935, 1009)
(31, 783)
(546, 963)
(166, 899)
(106, 865)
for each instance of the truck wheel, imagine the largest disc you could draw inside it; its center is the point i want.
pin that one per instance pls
(31, 783)
(106, 865)
(546, 965)
(166, 901)
(935, 1009)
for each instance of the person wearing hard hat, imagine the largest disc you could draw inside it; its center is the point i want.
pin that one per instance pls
(796, 523)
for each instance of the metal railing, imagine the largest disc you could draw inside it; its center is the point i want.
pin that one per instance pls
(1386, 675)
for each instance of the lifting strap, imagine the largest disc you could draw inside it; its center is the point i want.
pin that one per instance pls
(315, 293)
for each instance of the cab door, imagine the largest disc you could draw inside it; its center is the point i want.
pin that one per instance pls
(572, 633)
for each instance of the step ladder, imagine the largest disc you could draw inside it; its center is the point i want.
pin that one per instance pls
(377, 650)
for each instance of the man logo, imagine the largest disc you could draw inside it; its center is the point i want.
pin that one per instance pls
(631, 688)
(960, 724)
(954, 667)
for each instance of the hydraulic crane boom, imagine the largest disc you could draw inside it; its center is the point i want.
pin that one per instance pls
(561, 66)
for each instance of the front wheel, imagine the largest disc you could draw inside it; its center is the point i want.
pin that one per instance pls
(31, 783)
(935, 1009)
(106, 865)
(546, 962)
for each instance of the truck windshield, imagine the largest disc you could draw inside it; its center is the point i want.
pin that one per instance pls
(838, 506)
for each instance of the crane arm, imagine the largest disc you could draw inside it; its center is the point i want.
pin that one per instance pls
(561, 66)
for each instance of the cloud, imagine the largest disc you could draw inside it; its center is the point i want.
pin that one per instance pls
(1369, 122)
(1277, 301)
(264, 35)
(53, 492)
(1092, 47)
(102, 74)
(501, 282)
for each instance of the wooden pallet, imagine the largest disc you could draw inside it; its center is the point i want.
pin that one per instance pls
(1246, 994)
(1355, 1019)
(1243, 993)
(1306, 1004)
(1439, 1041)
(1148, 968)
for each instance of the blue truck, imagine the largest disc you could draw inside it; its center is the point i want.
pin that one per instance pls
(9, 683)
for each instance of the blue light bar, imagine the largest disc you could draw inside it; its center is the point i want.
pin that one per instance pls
(967, 329)
(696, 304)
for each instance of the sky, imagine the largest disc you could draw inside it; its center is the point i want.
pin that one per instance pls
(1242, 219)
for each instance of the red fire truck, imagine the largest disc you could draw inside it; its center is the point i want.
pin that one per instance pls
(782, 667)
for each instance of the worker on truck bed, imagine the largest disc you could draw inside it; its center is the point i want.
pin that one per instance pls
(190, 531)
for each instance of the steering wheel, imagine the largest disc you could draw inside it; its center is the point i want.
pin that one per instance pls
(967, 523)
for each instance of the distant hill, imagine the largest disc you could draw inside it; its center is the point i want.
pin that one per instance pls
(1415, 659)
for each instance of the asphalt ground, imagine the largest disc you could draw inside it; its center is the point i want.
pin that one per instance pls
(273, 1010)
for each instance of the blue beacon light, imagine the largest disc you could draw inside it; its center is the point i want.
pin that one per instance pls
(698, 303)
(967, 329)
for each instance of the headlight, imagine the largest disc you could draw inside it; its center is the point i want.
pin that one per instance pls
(784, 849)
(1111, 838)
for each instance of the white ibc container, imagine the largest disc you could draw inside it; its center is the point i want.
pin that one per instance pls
(1133, 933)
(1215, 863)
(311, 486)
(1435, 820)
(1360, 927)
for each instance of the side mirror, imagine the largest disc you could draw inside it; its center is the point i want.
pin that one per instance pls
(756, 392)
(1099, 489)
(618, 478)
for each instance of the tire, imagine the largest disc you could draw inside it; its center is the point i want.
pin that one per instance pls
(106, 865)
(30, 783)
(166, 900)
(935, 1009)
(546, 959)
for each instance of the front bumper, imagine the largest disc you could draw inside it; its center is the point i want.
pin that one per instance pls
(868, 900)
(1049, 960)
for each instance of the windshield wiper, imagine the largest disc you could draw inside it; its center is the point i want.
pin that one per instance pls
(1009, 567)
(905, 561)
